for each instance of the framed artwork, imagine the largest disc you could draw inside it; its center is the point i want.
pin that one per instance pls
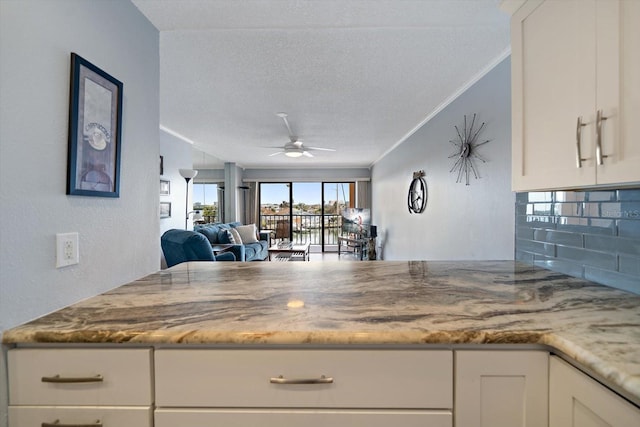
(165, 209)
(165, 187)
(95, 120)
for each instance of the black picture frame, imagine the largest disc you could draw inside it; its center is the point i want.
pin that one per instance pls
(165, 209)
(95, 129)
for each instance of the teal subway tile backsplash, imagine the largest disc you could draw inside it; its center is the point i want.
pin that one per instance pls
(630, 196)
(629, 265)
(589, 234)
(628, 228)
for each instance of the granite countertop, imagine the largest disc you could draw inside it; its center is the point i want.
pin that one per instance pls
(352, 303)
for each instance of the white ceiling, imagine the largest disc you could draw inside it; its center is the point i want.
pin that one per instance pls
(358, 76)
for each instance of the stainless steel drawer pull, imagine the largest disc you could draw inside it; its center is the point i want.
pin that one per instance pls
(69, 380)
(599, 119)
(57, 423)
(579, 127)
(282, 380)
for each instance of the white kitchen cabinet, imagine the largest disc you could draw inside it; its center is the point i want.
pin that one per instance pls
(301, 417)
(501, 388)
(618, 96)
(312, 387)
(576, 400)
(74, 416)
(574, 61)
(80, 387)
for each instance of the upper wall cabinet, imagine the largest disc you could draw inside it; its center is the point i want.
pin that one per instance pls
(576, 93)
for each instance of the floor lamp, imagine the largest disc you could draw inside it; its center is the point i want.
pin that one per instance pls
(187, 174)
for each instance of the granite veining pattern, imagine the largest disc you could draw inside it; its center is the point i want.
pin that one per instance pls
(346, 303)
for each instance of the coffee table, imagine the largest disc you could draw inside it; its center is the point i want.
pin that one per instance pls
(223, 247)
(294, 253)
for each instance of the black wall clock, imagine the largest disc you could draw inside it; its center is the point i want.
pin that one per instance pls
(466, 146)
(418, 194)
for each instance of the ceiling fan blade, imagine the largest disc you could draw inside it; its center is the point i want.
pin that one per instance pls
(276, 153)
(306, 153)
(283, 116)
(320, 149)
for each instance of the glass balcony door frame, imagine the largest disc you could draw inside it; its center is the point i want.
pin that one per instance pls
(290, 215)
(351, 203)
(262, 223)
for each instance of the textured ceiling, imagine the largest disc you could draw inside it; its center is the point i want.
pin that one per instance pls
(354, 75)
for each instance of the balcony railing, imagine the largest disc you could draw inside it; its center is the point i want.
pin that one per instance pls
(306, 228)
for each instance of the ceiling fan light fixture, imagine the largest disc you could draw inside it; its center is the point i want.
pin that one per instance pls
(295, 152)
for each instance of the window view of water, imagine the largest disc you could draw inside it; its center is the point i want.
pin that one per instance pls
(300, 211)
(305, 212)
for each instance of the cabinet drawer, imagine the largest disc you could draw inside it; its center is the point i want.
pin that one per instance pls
(34, 376)
(35, 416)
(307, 418)
(361, 378)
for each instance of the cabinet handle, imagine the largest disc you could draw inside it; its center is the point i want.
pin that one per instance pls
(57, 423)
(599, 119)
(282, 380)
(579, 127)
(67, 380)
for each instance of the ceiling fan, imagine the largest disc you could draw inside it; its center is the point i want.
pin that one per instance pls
(295, 147)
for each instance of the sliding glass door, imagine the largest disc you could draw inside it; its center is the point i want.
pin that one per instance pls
(336, 197)
(305, 211)
(275, 209)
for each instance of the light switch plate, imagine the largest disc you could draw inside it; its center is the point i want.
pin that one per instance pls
(67, 249)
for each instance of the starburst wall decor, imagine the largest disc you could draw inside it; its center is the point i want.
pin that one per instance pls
(466, 146)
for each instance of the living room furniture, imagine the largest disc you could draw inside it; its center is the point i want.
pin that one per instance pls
(290, 253)
(283, 230)
(221, 248)
(218, 234)
(183, 245)
(354, 245)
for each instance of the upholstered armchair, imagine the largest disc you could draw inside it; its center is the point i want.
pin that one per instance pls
(182, 245)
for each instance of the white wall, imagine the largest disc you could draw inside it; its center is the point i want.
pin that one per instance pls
(177, 155)
(119, 238)
(460, 222)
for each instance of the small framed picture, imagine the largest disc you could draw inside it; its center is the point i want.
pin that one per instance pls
(165, 187)
(165, 209)
(95, 117)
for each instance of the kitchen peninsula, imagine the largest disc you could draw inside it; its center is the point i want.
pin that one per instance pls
(368, 306)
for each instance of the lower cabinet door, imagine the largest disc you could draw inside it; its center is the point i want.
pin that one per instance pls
(301, 417)
(576, 400)
(43, 416)
(502, 388)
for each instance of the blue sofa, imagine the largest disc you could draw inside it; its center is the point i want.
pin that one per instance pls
(218, 234)
(182, 245)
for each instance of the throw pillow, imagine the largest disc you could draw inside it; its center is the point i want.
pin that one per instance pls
(235, 236)
(224, 236)
(247, 233)
(210, 233)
